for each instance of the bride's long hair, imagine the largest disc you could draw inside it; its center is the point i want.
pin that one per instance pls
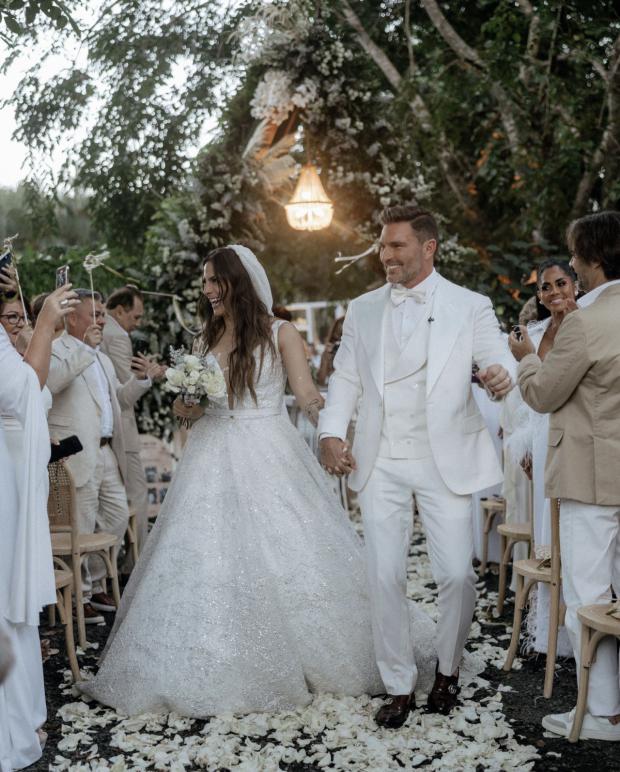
(250, 316)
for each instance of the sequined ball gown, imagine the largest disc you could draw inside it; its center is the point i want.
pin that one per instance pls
(250, 593)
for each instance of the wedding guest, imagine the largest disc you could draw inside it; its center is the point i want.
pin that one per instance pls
(87, 402)
(26, 568)
(556, 293)
(578, 384)
(326, 366)
(125, 309)
(12, 316)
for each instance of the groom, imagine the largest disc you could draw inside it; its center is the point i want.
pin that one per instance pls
(406, 355)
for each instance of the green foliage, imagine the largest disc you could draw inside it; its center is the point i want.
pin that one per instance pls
(16, 16)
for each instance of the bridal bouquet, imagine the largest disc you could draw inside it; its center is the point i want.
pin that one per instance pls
(194, 378)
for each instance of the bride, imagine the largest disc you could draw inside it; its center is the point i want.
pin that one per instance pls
(250, 594)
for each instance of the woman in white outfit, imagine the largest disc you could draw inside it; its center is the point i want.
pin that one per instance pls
(26, 569)
(557, 291)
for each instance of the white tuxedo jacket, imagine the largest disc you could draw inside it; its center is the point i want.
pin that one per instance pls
(463, 331)
(76, 405)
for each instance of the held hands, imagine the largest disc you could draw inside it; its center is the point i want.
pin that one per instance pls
(336, 456)
(523, 346)
(496, 379)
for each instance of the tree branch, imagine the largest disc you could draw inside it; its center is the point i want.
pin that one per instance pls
(407, 24)
(422, 114)
(470, 56)
(608, 148)
(371, 48)
(533, 41)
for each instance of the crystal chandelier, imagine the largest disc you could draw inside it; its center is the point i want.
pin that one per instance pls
(310, 209)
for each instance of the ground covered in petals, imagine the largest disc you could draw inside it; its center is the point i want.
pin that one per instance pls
(496, 726)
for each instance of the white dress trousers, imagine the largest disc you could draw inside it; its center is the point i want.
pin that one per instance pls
(590, 548)
(405, 469)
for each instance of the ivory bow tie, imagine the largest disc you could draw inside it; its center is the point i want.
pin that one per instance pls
(399, 294)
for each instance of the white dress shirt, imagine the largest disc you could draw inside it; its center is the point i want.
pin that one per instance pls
(103, 389)
(589, 298)
(407, 315)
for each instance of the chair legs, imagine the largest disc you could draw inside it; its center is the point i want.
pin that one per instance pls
(78, 595)
(521, 596)
(488, 524)
(505, 548)
(109, 558)
(65, 611)
(552, 640)
(589, 643)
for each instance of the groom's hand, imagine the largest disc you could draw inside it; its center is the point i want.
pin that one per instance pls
(497, 379)
(336, 456)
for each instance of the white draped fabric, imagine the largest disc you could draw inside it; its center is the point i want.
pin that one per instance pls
(531, 436)
(26, 568)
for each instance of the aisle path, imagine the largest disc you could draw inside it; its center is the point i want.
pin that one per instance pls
(331, 733)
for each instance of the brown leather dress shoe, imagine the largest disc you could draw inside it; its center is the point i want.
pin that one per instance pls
(91, 617)
(102, 602)
(395, 711)
(444, 694)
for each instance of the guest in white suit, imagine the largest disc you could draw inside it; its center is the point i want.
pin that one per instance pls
(125, 310)
(406, 354)
(87, 402)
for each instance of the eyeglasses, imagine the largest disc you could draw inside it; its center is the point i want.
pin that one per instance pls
(14, 318)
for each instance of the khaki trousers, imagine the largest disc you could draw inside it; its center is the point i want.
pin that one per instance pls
(102, 506)
(137, 493)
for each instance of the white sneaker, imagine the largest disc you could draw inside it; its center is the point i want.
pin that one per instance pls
(593, 727)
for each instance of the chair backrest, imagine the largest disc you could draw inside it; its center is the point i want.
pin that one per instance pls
(61, 507)
(555, 539)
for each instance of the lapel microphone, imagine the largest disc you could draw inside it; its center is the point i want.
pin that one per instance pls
(430, 319)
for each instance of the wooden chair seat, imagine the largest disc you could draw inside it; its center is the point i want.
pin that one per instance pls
(597, 622)
(63, 578)
(536, 569)
(517, 531)
(604, 618)
(89, 542)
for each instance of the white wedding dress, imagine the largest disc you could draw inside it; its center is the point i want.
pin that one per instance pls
(250, 593)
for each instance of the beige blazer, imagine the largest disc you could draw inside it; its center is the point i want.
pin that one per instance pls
(117, 345)
(76, 405)
(579, 385)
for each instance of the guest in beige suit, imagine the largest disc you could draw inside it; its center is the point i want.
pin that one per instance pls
(87, 401)
(579, 384)
(125, 309)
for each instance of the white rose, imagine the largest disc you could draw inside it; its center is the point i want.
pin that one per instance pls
(213, 384)
(191, 362)
(193, 377)
(174, 377)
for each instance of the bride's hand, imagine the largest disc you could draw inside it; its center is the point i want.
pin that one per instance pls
(186, 412)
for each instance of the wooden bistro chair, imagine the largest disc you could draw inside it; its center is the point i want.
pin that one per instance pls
(69, 543)
(491, 508)
(529, 573)
(509, 535)
(64, 602)
(597, 622)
